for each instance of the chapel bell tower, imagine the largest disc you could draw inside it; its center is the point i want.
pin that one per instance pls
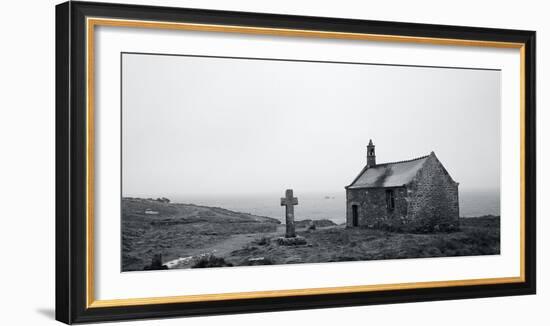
(371, 156)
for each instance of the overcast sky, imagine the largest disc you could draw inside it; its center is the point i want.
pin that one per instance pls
(220, 126)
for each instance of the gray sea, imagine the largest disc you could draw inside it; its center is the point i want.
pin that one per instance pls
(331, 206)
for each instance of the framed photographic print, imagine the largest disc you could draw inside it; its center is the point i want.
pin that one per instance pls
(213, 162)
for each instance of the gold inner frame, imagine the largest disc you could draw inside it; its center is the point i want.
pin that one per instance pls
(91, 22)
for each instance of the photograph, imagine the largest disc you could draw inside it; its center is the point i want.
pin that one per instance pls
(237, 161)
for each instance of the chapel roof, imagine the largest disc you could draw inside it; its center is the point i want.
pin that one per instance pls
(393, 174)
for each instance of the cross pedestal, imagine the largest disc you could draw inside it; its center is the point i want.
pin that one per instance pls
(289, 201)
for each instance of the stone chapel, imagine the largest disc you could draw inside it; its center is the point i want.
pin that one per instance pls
(413, 195)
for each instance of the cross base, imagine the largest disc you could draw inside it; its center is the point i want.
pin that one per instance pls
(294, 241)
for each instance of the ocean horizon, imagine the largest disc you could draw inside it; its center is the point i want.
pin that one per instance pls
(330, 205)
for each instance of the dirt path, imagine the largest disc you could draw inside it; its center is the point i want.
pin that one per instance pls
(224, 248)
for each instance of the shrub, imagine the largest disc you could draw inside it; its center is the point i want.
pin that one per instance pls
(211, 261)
(264, 241)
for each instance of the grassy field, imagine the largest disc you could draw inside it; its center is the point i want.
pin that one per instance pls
(478, 236)
(199, 236)
(179, 230)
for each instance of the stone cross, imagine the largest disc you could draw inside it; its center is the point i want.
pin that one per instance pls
(289, 201)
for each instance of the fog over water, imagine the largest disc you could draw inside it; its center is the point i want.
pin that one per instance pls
(473, 203)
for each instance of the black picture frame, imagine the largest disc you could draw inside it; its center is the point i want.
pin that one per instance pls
(71, 158)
